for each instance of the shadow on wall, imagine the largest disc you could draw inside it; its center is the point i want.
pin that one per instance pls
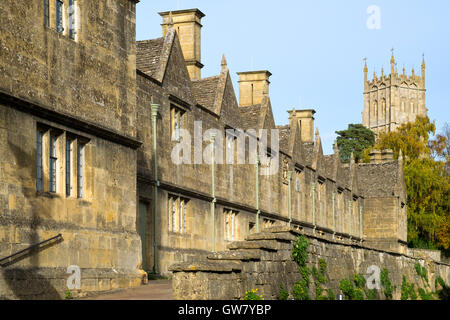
(27, 284)
(32, 281)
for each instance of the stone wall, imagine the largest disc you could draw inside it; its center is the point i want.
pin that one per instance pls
(98, 230)
(264, 261)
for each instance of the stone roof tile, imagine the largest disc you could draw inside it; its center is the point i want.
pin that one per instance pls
(205, 90)
(250, 116)
(148, 55)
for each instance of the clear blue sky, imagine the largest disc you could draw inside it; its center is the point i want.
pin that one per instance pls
(314, 50)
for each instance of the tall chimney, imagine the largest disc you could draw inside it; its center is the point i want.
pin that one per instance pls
(253, 86)
(305, 120)
(188, 25)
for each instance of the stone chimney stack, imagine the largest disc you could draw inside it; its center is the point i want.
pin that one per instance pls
(188, 25)
(253, 87)
(305, 120)
(380, 156)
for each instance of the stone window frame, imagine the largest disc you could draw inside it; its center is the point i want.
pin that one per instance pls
(39, 160)
(177, 115)
(62, 16)
(51, 163)
(69, 165)
(81, 170)
(59, 16)
(71, 19)
(47, 13)
(231, 133)
(231, 230)
(177, 209)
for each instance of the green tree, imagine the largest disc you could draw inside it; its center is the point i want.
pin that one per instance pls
(427, 183)
(354, 140)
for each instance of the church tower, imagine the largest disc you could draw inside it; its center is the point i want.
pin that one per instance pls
(394, 99)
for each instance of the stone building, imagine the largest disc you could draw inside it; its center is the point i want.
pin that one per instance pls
(68, 145)
(195, 215)
(394, 99)
(90, 121)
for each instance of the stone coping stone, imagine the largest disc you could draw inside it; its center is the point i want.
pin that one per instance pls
(236, 255)
(257, 244)
(206, 266)
(284, 236)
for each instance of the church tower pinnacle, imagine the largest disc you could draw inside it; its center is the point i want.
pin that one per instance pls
(391, 100)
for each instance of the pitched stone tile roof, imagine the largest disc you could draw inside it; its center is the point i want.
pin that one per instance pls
(284, 136)
(343, 176)
(250, 116)
(205, 90)
(308, 148)
(148, 55)
(328, 165)
(378, 180)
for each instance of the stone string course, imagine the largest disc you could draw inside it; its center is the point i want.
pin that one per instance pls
(264, 261)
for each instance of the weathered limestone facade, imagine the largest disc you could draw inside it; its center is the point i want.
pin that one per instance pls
(309, 191)
(77, 123)
(80, 91)
(394, 99)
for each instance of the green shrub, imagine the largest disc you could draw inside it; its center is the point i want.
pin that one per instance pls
(388, 288)
(359, 280)
(425, 295)
(300, 250)
(300, 291)
(404, 289)
(371, 294)
(331, 295)
(346, 286)
(284, 294)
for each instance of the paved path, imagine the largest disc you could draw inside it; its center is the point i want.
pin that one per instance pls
(154, 290)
